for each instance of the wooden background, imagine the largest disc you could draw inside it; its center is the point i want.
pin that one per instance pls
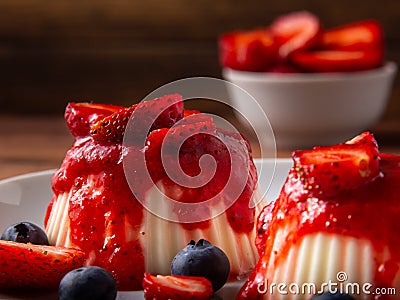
(52, 52)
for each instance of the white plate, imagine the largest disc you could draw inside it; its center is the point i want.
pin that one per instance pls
(25, 198)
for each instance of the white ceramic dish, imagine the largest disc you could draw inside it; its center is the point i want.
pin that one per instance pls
(25, 198)
(308, 109)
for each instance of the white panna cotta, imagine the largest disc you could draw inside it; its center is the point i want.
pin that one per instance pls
(161, 239)
(334, 227)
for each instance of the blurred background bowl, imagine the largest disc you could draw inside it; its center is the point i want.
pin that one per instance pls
(307, 109)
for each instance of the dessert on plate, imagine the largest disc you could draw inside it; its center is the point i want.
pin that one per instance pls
(119, 176)
(335, 222)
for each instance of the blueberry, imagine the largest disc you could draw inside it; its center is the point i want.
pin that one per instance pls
(202, 259)
(25, 232)
(332, 296)
(92, 282)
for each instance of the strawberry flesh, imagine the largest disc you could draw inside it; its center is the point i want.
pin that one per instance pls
(252, 50)
(295, 32)
(35, 266)
(81, 116)
(360, 35)
(329, 170)
(176, 287)
(338, 60)
(145, 117)
(111, 128)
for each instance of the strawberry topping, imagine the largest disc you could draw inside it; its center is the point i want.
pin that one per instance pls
(158, 113)
(334, 169)
(81, 116)
(348, 189)
(105, 214)
(112, 128)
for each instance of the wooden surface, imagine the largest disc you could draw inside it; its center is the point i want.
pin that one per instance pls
(32, 144)
(52, 52)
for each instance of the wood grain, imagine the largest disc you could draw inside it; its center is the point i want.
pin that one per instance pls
(52, 52)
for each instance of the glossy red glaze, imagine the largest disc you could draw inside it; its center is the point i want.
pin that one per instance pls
(370, 211)
(102, 205)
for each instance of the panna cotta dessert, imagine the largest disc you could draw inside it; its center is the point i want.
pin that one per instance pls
(334, 227)
(140, 182)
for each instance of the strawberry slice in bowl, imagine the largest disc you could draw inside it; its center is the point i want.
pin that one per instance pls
(253, 50)
(338, 60)
(173, 287)
(35, 266)
(366, 34)
(295, 32)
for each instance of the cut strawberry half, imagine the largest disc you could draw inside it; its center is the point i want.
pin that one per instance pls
(333, 169)
(162, 112)
(296, 31)
(146, 116)
(338, 60)
(176, 287)
(189, 112)
(112, 128)
(361, 35)
(35, 266)
(188, 140)
(252, 50)
(81, 116)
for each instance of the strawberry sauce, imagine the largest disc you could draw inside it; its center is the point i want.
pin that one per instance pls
(105, 217)
(370, 211)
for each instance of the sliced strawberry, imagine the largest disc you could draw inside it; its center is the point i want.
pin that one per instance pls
(188, 112)
(35, 266)
(162, 112)
(80, 116)
(252, 50)
(361, 35)
(112, 128)
(338, 60)
(296, 31)
(189, 139)
(333, 169)
(146, 116)
(176, 287)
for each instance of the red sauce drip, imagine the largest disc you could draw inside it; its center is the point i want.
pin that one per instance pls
(100, 209)
(103, 204)
(369, 212)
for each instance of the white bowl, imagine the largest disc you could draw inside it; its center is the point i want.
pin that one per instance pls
(313, 109)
